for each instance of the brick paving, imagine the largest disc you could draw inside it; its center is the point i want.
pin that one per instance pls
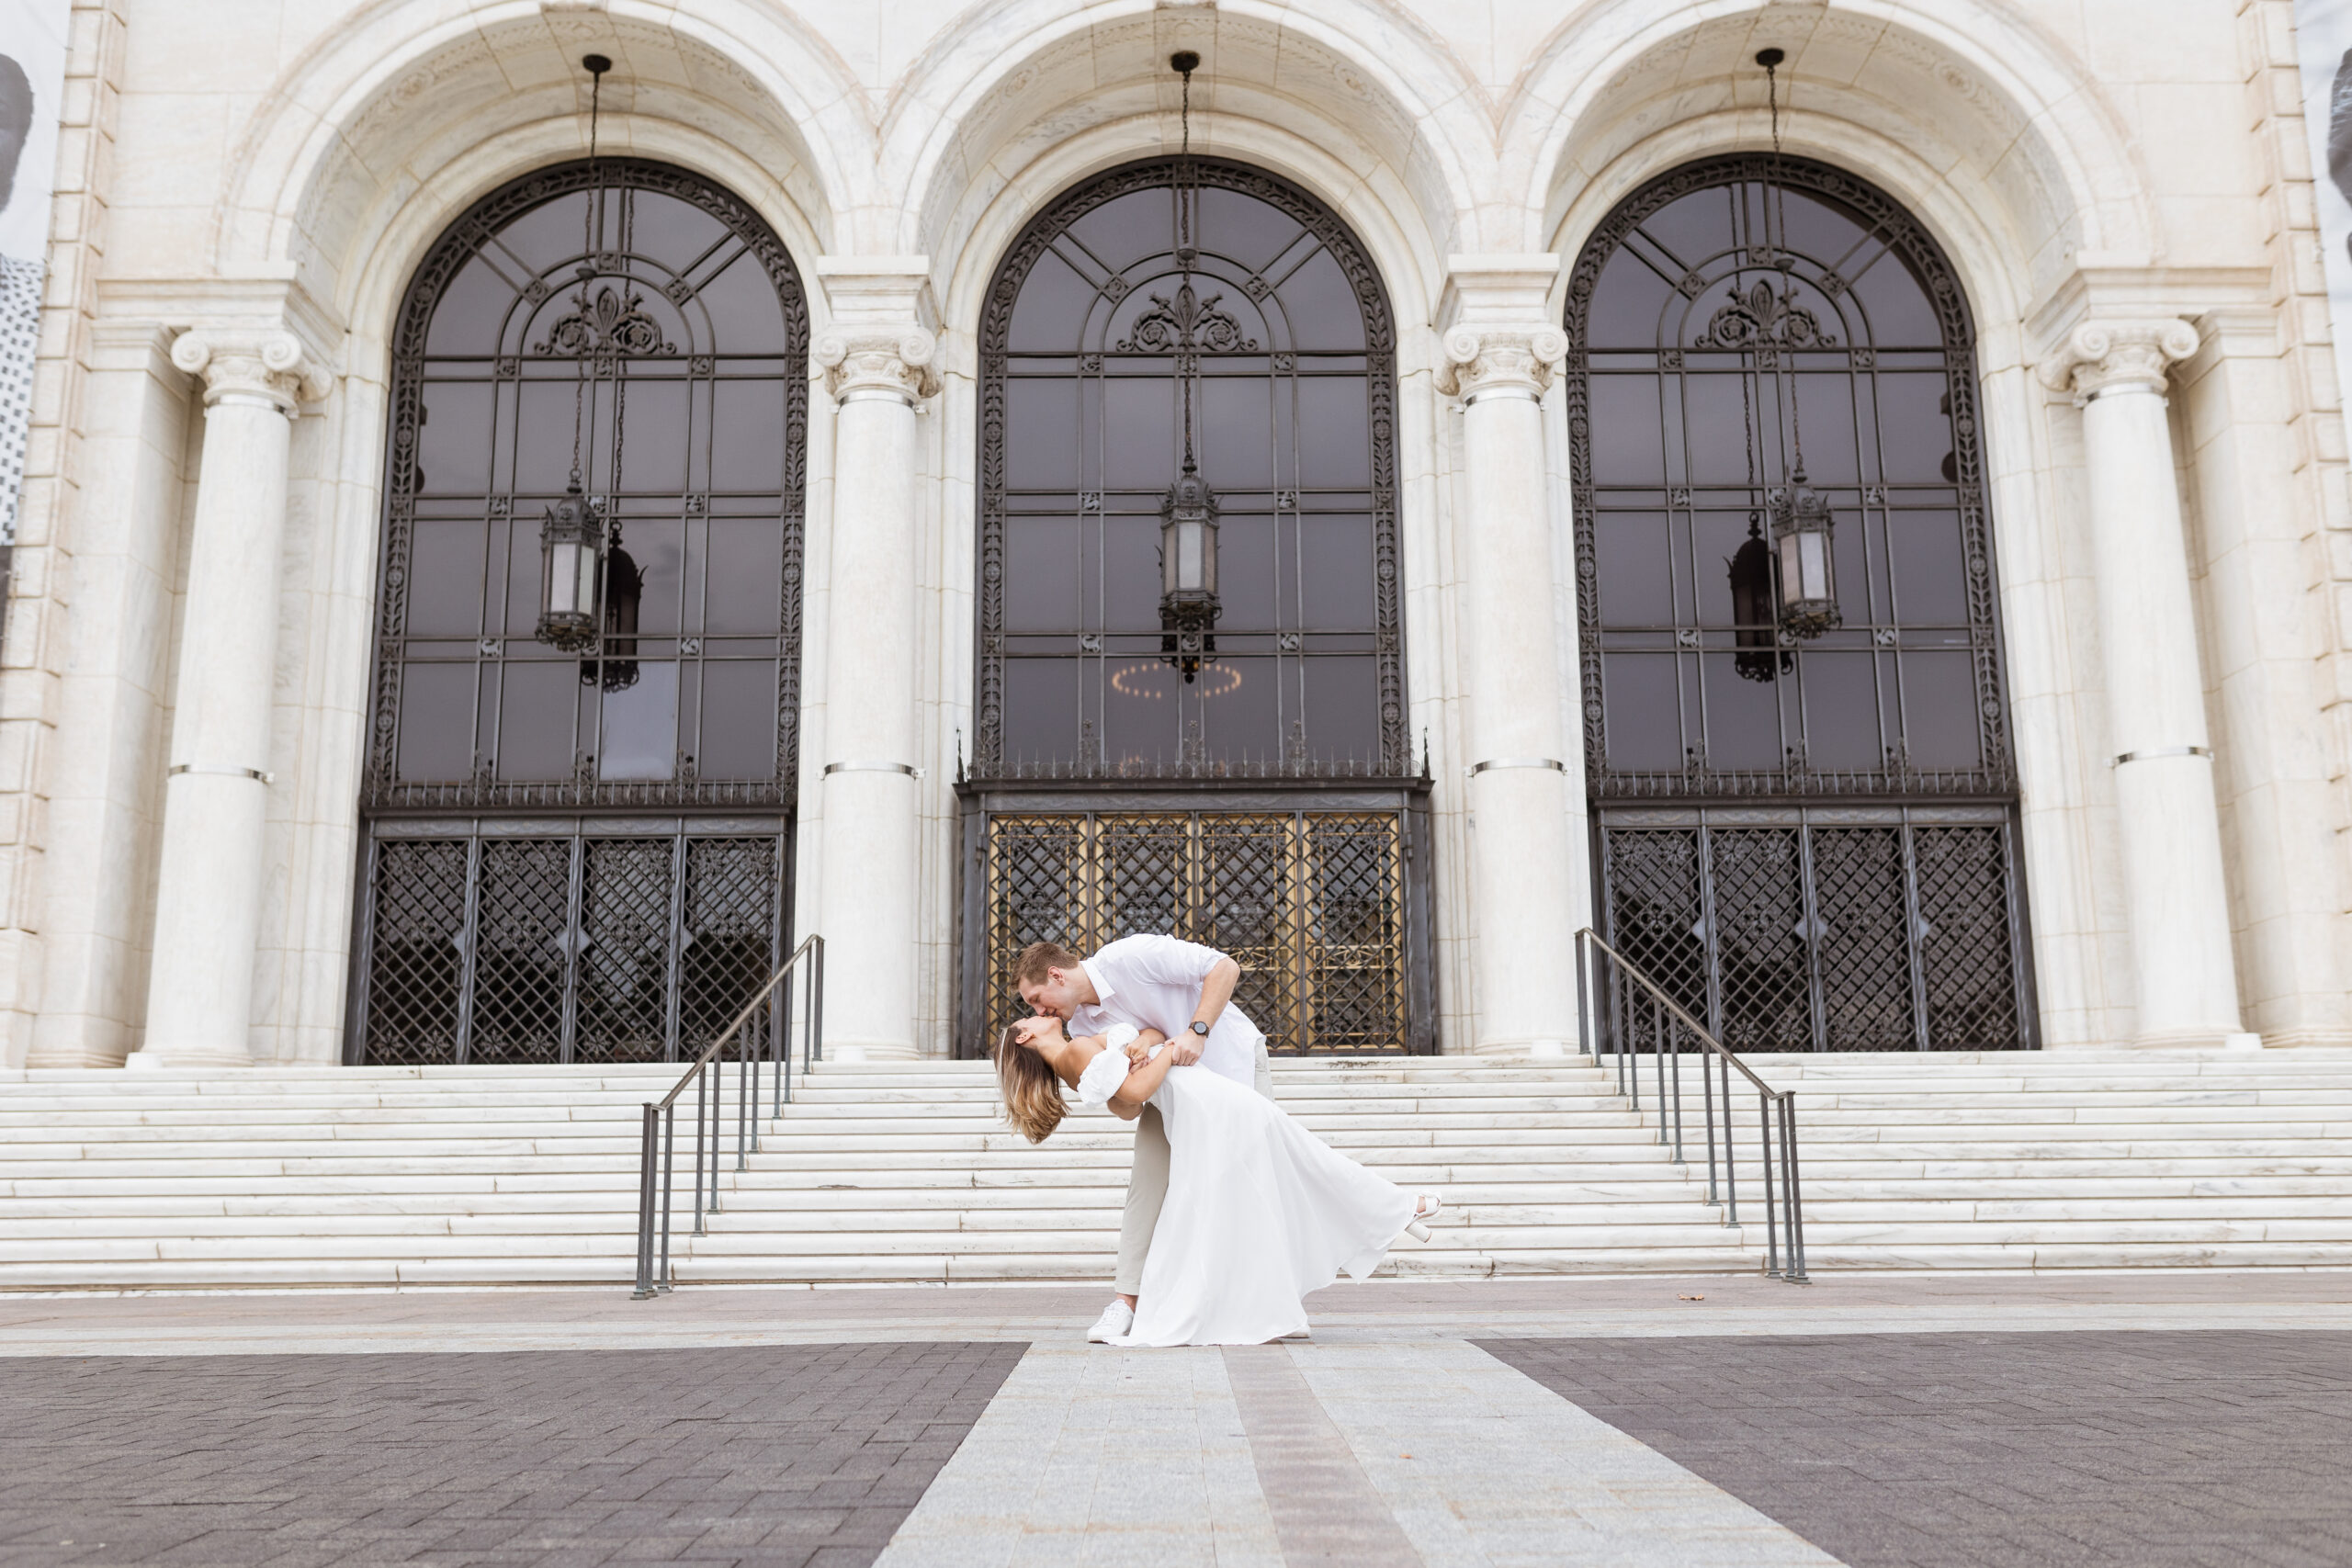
(2209, 1449)
(779, 1456)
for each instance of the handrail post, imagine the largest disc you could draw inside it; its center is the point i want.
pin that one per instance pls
(1731, 1156)
(817, 1002)
(669, 1169)
(645, 1206)
(1707, 1093)
(1657, 1064)
(1584, 1002)
(1674, 1032)
(743, 1082)
(1771, 1215)
(1796, 1274)
(718, 1076)
(701, 1094)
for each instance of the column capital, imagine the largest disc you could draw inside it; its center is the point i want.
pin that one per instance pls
(893, 361)
(1479, 361)
(2103, 357)
(267, 367)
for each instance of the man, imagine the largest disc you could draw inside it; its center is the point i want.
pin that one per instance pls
(1185, 991)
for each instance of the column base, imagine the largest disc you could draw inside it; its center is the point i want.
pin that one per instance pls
(846, 1052)
(1537, 1048)
(2198, 1039)
(191, 1058)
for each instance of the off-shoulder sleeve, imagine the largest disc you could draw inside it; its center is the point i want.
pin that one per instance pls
(1103, 1077)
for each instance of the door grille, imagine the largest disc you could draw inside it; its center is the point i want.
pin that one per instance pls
(485, 944)
(1799, 928)
(1310, 904)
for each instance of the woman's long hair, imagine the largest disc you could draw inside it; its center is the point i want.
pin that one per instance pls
(1032, 1094)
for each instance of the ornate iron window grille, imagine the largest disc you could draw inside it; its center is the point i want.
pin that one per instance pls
(1717, 325)
(1186, 329)
(537, 335)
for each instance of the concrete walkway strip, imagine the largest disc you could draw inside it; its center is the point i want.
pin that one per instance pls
(1482, 1468)
(1090, 1458)
(1325, 1514)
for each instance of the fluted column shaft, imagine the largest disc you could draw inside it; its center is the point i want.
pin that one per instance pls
(866, 893)
(1522, 956)
(209, 892)
(2185, 986)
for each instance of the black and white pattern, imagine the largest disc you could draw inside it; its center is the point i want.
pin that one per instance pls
(19, 335)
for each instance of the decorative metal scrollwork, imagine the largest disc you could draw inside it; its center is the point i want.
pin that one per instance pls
(611, 325)
(1189, 324)
(1764, 315)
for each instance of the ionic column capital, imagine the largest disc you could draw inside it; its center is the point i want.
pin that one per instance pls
(895, 362)
(270, 367)
(2098, 358)
(1489, 361)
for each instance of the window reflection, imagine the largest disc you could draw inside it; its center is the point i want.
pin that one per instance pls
(1682, 442)
(688, 447)
(1293, 417)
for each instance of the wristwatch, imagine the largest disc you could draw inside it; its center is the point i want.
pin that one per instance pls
(1200, 1029)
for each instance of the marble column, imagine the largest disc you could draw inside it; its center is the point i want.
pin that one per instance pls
(2185, 985)
(1523, 958)
(209, 892)
(869, 778)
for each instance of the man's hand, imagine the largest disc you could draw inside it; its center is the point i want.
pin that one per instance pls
(1185, 1049)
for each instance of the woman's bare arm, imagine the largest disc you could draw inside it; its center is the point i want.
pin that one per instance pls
(1144, 1078)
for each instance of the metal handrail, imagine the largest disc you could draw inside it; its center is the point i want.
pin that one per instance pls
(769, 1045)
(1633, 1007)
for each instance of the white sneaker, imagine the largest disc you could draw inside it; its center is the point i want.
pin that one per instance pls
(1116, 1319)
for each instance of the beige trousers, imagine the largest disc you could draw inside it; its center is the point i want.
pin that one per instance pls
(1147, 1186)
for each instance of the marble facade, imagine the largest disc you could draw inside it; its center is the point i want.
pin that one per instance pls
(245, 185)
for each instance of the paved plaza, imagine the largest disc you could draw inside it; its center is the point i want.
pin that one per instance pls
(1943, 1422)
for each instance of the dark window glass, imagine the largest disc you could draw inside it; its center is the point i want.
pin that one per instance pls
(1084, 364)
(655, 335)
(1710, 349)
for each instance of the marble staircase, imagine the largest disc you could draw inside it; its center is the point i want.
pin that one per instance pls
(376, 1176)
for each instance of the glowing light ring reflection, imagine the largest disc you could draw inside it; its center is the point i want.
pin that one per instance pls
(1214, 681)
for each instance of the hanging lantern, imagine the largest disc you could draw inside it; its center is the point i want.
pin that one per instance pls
(616, 668)
(1188, 603)
(1801, 525)
(571, 541)
(1753, 610)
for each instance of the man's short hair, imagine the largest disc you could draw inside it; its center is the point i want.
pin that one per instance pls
(1029, 969)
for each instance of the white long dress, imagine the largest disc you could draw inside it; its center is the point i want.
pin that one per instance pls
(1259, 1212)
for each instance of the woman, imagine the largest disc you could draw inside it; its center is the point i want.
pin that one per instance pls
(1260, 1211)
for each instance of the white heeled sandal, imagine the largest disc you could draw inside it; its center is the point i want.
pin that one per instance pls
(1426, 1206)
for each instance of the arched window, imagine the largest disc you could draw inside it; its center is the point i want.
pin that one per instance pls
(1807, 834)
(576, 843)
(1205, 311)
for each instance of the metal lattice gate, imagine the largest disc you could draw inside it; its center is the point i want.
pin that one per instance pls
(1313, 905)
(561, 941)
(1825, 928)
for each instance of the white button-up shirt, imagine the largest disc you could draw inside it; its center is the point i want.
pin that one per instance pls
(1154, 982)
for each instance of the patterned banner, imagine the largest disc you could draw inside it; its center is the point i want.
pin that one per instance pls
(32, 79)
(2323, 52)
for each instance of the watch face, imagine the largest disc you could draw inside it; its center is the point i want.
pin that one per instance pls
(1199, 1028)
